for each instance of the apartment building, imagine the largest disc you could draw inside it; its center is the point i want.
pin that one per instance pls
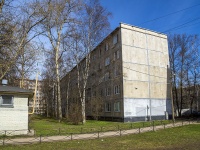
(128, 74)
(40, 103)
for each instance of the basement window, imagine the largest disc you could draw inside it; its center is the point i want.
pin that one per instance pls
(6, 100)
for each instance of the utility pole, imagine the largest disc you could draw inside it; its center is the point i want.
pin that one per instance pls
(147, 113)
(172, 101)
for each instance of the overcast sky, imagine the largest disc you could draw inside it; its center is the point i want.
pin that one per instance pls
(183, 16)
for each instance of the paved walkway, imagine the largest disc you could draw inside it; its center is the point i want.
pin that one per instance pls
(30, 140)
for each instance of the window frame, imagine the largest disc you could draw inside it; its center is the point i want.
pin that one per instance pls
(116, 72)
(108, 91)
(117, 107)
(117, 89)
(107, 61)
(108, 107)
(115, 39)
(3, 104)
(107, 76)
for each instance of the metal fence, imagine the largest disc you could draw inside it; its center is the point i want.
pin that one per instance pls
(10, 137)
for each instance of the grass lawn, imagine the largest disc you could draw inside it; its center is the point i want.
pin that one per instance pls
(49, 126)
(186, 137)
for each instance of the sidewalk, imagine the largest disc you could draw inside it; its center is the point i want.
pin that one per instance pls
(40, 139)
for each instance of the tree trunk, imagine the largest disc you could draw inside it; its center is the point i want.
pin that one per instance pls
(67, 99)
(83, 108)
(58, 87)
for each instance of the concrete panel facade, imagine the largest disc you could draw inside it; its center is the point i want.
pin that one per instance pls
(145, 63)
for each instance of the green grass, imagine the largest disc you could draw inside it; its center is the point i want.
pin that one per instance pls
(186, 137)
(48, 126)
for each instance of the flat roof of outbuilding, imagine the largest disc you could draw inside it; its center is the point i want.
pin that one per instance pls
(14, 90)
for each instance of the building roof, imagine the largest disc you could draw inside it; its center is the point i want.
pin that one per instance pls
(14, 90)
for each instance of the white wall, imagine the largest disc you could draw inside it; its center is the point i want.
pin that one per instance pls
(138, 107)
(15, 118)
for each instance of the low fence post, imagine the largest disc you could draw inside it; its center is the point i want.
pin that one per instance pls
(34, 132)
(40, 138)
(153, 126)
(3, 140)
(59, 131)
(98, 134)
(71, 135)
(120, 132)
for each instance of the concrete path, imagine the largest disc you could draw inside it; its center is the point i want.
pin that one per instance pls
(31, 140)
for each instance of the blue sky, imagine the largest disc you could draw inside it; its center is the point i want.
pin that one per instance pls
(136, 12)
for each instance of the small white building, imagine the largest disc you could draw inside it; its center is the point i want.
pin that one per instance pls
(14, 110)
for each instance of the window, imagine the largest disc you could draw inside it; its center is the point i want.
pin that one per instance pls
(107, 76)
(107, 107)
(106, 46)
(108, 91)
(117, 107)
(116, 55)
(107, 61)
(116, 71)
(115, 39)
(117, 89)
(6, 100)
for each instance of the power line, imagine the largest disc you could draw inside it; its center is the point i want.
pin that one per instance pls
(186, 26)
(169, 14)
(182, 25)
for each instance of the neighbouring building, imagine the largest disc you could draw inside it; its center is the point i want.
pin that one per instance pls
(129, 73)
(14, 110)
(40, 102)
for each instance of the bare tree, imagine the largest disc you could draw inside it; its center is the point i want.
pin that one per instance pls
(184, 65)
(96, 105)
(59, 15)
(48, 85)
(20, 29)
(92, 28)
(25, 64)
